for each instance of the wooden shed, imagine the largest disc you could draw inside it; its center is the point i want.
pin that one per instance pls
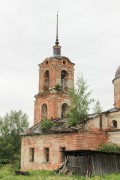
(88, 162)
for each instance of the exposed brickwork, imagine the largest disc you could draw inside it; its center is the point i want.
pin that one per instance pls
(71, 141)
(52, 102)
(52, 98)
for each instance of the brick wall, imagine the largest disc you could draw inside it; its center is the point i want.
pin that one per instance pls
(70, 141)
(52, 98)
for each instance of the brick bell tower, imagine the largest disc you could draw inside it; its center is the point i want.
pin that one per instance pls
(56, 77)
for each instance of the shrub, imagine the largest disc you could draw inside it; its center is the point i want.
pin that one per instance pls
(57, 87)
(46, 124)
(109, 147)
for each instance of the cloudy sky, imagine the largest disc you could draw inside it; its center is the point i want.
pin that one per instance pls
(89, 33)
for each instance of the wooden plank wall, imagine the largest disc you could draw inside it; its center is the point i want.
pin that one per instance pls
(93, 164)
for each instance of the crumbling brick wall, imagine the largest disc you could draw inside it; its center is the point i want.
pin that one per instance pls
(69, 141)
(52, 97)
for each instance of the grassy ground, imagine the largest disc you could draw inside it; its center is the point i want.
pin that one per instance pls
(7, 173)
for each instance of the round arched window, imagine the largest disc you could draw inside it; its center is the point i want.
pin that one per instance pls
(64, 110)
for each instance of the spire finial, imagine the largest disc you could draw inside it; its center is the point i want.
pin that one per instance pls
(56, 47)
(57, 42)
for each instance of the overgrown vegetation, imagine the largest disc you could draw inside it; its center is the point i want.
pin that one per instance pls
(7, 172)
(46, 124)
(80, 102)
(11, 126)
(57, 87)
(109, 147)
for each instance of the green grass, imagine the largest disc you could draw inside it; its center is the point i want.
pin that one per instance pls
(7, 173)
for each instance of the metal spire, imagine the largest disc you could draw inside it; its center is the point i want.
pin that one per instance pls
(56, 47)
(57, 42)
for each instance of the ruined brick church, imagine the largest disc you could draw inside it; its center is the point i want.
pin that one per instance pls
(43, 149)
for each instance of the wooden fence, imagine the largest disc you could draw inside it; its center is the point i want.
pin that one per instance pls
(92, 162)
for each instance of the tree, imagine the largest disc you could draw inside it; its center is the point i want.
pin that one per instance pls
(80, 101)
(11, 127)
(97, 108)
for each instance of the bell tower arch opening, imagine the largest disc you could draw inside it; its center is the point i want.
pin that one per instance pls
(64, 110)
(46, 80)
(64, 80)
(44, 111)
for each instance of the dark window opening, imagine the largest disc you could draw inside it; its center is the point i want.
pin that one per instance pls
(46, 62)
(44, 111)
(46, 81)
(64, 62)
(64, 110)
(114, 124)
(32, 154)
(62, 156)
(46, 154)
(64, 80)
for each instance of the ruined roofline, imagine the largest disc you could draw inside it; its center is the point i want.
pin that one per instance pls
(61, 127)
(58, 57)
(112, 110)
(34, 130)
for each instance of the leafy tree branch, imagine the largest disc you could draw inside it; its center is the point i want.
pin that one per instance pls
(80, 102)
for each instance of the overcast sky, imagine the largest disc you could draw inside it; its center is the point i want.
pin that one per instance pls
(89, 33)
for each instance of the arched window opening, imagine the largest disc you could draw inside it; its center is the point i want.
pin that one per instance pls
(44, 111)
(64, 79)
(46, 62)
(114, 124)
(64, 110)
(46, 80)
(64, 62)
